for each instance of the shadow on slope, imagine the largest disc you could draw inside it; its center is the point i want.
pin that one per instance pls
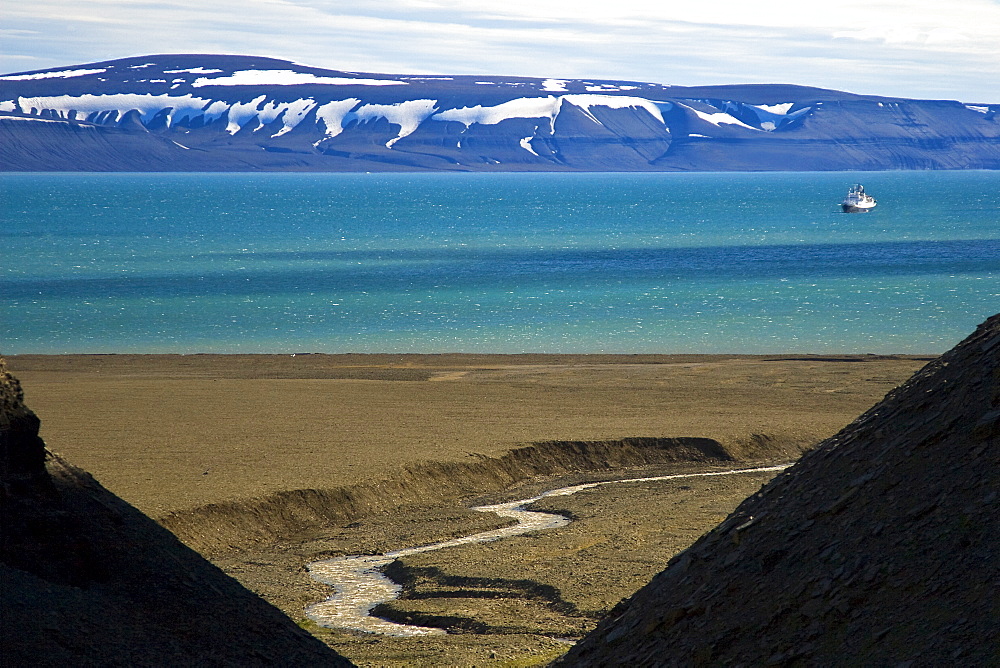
(877, 548)
(89, 580)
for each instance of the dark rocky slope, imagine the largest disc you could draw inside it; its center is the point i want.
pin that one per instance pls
(878, 548)
(241, 113)
(86, 579)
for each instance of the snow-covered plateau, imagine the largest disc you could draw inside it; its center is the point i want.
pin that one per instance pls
(242, 113)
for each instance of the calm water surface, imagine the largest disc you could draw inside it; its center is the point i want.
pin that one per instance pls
(749, 263)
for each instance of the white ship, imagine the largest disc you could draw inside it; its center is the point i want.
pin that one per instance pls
(857, 200)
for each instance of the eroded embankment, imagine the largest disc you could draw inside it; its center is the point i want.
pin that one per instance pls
(286, 516)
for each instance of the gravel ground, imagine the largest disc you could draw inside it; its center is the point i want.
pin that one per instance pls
(171, 433)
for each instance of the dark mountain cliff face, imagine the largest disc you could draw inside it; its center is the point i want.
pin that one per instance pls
(877, 548)
(86, 579)
(240, 113)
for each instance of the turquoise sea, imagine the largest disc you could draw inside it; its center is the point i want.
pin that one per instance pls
(628, 263)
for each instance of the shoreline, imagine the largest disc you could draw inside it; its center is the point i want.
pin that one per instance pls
(32, 360)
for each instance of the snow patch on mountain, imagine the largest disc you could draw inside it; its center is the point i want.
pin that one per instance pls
(719, 118)
(778, 109)
(241, 113)
(64, 74)
(86, 107)
(547, 107)
(287, 78)
(586, 101)
(526, 145)
(607, 88)
(766, 117)
(336, 115)
(193, 70)
(522, 107)
(333, 114)
(554, 85)
(407, 115)
(772, 116)
(291, 114)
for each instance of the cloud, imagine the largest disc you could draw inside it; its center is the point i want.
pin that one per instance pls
(932, 49)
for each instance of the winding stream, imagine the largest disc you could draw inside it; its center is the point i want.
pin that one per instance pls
(359, 585)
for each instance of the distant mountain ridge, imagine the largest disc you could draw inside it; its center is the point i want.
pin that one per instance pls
(243, 113)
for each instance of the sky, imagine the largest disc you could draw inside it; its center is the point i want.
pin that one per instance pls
(928, 49)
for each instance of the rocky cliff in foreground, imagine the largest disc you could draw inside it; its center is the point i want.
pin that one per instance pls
(877, 548)
(243, 113)
(87, 580)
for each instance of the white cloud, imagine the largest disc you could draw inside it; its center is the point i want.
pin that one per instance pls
(915, 48)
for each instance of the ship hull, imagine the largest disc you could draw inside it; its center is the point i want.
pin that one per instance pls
(850, 208)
